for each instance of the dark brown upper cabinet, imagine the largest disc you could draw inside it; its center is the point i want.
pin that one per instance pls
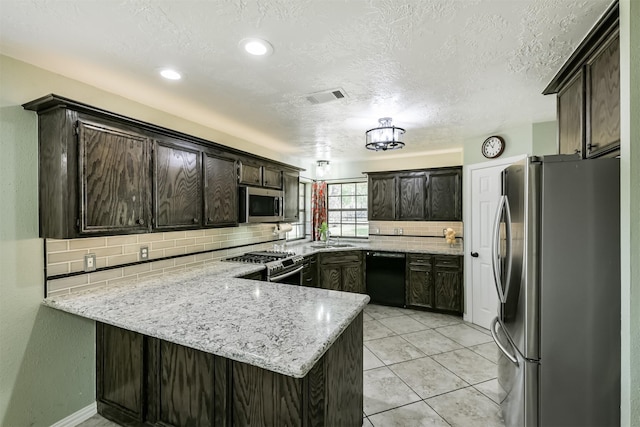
(603, 94)
(291, 186)
(444, 194)
(178, 189)
(250, 173)
(114, 179)
(417, 195)
(101, 173)
(411, 196)
(588, 92)
(271, 178)
(382, 197)
(221, 191)
(571, 116)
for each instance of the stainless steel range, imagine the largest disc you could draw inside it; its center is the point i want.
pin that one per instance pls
(284, 267)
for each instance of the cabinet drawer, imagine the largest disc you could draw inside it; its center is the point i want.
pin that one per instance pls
(340, 258)
(448, 261)
(419, 259)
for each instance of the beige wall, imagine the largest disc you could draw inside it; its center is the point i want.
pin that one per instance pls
(388, 161)
(46, 357)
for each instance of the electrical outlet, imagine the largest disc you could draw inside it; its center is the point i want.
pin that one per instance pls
(89, 262)
(144, 252)
(400, 231)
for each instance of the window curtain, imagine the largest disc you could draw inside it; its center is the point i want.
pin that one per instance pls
(318, 207)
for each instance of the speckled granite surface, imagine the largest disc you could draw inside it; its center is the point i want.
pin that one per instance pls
(307, 248)
(279, 327)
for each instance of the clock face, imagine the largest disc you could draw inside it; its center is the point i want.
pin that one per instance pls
(492, 147)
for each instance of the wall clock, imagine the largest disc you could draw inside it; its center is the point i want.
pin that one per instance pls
(493, 147)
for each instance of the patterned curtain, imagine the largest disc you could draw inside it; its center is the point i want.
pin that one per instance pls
(318, 207)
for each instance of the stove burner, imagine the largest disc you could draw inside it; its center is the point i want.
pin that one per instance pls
(261, 257)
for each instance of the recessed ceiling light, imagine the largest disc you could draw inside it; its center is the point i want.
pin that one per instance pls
(256, 47)
(170, 74)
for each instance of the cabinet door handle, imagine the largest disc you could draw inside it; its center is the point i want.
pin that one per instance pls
(195, 220)
(140, 221)
(210, 219)
(592, 146)
(577, 151)
(474, 254)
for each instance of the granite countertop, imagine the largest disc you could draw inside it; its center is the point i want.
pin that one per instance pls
(436, 247)
(279, 327)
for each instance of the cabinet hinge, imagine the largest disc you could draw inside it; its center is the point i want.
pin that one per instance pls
(76, 130)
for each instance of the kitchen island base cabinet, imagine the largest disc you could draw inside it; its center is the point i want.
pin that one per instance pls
(145, 381)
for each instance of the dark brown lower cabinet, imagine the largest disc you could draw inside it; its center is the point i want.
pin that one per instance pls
(435, 282)
(419, 278)
(342, 271)
(144, 381)
(310, 271)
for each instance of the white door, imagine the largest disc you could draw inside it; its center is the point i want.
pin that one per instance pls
(485, 194)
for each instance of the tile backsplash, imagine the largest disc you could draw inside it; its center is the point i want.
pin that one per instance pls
(197, 246)
(414, 228)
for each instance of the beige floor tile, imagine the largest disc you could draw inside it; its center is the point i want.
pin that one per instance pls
(393, 350)
(381, 311)
(97, 421)
(366, 422)
(467, 408)
(383, 390)
(370, 361)
(402, 324)
(468, 365)
(489, 350)
(434, 320)
(373, 329)
(464, 335)
(427, 377)
(431, 342)
(492, 389)
(417, 414)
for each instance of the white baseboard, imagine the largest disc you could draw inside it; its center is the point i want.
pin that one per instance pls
(79, 416)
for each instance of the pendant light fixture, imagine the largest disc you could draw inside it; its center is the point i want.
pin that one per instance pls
(322, 168)
(385, 137)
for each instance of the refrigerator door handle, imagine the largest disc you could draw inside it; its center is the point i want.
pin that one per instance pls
(507, 276)
(496, 248)
(503, 349)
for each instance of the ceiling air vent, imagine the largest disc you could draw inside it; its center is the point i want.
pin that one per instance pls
(326, 96)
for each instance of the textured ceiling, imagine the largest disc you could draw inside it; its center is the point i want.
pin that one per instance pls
(445, 70)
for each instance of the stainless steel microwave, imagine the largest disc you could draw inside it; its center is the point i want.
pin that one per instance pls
(260, 205)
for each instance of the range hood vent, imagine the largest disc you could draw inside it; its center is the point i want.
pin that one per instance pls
(326, 96)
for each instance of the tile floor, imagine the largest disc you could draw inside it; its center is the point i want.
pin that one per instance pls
(428, 369)
(422, 369)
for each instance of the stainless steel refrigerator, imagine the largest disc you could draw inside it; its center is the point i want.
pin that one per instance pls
(556, 258)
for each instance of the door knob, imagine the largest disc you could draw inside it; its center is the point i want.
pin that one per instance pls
(474, 254)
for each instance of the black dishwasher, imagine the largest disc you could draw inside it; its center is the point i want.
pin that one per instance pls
(385, 278)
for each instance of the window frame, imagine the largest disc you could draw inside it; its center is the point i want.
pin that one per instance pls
(355, 209)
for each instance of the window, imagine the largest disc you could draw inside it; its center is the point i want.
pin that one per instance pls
(299, 227)
(347, 209)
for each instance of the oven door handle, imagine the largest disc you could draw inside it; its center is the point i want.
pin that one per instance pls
(284, 276)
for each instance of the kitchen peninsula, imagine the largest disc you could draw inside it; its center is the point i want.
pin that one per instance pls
(202, 347)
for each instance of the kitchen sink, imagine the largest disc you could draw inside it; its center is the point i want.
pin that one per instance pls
(332, 245)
